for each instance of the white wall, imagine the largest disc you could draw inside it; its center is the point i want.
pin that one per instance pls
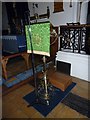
(83, 15)
(60, 18)
(70, 14)
(66, 16)
(42, 9)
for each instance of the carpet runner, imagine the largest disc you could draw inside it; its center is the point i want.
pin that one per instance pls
(78, 103)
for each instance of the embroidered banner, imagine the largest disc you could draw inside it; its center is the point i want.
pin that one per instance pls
(40, 36)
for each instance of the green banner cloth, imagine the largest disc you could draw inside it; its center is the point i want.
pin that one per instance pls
(40, 36)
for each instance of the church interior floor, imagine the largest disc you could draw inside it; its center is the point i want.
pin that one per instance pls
(13, 105)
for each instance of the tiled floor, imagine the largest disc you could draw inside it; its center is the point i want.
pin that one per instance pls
(14, 106)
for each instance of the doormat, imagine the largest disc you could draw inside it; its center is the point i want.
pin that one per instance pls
(78, 103)
(56, 98)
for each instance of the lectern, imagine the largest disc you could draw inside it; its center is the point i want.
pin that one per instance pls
(39, 34)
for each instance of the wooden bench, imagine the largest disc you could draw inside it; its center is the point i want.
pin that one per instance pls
(4, 61)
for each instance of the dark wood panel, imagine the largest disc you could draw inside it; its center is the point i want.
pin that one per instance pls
(87, 41)
(54, 44)
(16, 16)
(58, 6)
